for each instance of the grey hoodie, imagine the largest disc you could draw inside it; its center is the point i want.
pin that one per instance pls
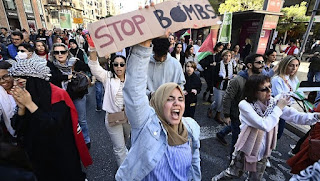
(159, 73)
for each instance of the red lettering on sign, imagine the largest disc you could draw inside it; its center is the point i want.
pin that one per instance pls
(116, 29)
(142, 19)
(131, 32)
(97, 36)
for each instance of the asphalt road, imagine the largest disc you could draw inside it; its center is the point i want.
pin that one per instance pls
(214, 156)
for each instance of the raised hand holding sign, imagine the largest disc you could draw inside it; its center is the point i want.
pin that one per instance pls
(115, 33)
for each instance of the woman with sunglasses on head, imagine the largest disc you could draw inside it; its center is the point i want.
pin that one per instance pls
(42, 49)
(285, 81)
(46, 124)
(259, 116)
(63, 68)
(113, 103)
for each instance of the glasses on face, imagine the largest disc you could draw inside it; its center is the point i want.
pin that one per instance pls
(60, 52)
(21, 51)
(259, 62)
(5, 77)
(117, 64)
(266, 89)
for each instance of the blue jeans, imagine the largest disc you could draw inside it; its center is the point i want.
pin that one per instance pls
(312, 73)
(82, 117)
(99, 94)
(226, 130)
(235, 129)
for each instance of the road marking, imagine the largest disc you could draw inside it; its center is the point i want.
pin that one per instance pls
(207, 132)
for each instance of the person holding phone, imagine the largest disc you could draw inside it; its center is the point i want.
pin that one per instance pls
(62, 67)
(259, 116)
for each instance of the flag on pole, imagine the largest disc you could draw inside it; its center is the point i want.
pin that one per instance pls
(206, 48)
(187, 33)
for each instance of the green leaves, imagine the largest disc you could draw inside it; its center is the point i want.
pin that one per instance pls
(240, 5)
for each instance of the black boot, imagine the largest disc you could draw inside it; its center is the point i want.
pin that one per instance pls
(204, 96)
(209, 98)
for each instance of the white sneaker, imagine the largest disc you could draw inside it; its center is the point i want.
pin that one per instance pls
(268, 164)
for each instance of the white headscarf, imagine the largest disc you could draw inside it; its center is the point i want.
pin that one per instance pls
(7, 106)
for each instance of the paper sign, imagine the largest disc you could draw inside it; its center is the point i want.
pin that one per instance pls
(115, 33)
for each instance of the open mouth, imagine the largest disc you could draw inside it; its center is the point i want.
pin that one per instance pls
(175, 113)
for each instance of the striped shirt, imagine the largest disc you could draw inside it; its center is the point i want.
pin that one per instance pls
(119, 97)
(174, 165)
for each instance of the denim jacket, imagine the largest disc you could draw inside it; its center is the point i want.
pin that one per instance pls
(148, 136)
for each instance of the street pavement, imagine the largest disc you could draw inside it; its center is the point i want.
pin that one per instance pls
(214, 155)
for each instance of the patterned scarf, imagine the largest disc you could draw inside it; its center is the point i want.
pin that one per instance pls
(64, 68)
(264, 110)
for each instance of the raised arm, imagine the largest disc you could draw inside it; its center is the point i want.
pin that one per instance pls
(134, 92)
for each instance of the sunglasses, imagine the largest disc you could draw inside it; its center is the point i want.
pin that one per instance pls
(21, 51)
(266, 89)
(117, 64)
(5, 77)
(259, 62)
(60, 52)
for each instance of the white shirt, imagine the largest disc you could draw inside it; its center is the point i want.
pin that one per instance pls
(248, 117)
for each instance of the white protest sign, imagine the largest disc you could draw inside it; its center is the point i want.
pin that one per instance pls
(115, 33)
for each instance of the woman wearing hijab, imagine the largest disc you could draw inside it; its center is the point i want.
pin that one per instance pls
(77, 52)
(62, 65)
(46, 124)
(165, 146)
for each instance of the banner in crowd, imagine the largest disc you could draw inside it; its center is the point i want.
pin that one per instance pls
(225, 31)
(115, 33)
(65, 20)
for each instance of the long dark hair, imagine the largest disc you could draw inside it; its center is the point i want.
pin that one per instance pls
(173, 53)
(187, 52)
(111, 64)
(252, 86)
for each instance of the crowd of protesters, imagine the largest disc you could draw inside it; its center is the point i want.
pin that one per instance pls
(149, 93)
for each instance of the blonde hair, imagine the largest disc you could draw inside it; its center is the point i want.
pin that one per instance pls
(283, 65)
(226, 52)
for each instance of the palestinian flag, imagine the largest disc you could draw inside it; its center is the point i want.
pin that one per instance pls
(187, 33)
(206, 48)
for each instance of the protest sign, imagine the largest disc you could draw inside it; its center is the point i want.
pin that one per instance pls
(115, 33)
(225, 32)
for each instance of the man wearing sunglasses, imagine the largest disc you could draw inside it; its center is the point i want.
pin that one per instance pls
(233, 96)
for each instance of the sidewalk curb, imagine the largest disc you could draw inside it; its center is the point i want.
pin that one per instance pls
(295, 129)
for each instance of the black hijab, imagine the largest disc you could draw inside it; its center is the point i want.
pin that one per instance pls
(76, 52)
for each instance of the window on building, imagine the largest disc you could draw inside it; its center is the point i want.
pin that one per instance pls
(27, 6)
(9, 4)
(40, 7)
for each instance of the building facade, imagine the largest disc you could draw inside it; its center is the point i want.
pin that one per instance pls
(22, 14)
